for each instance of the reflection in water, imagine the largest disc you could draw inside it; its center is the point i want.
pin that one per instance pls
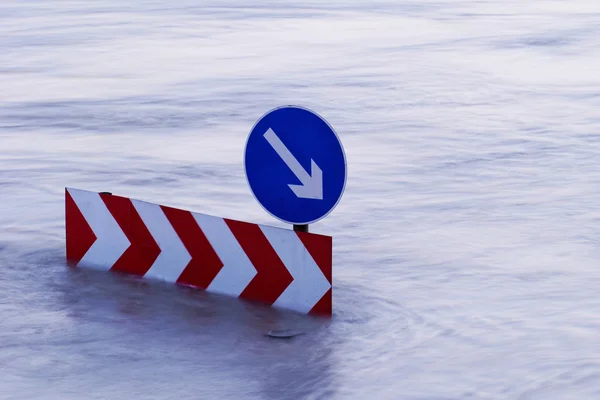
(228, 334)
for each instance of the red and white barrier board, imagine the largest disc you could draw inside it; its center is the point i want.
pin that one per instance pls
(278, 267)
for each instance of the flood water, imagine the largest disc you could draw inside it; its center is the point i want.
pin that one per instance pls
(466, 246)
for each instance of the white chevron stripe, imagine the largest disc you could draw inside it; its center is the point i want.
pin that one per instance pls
(173, 257)
(237, 271)
(309, 284)
(110, 242)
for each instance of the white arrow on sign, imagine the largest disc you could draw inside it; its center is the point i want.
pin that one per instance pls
(173, 257)
(110, 242)
(312, 185)
(309, 284)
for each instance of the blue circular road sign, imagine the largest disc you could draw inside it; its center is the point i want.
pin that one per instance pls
(295, 165)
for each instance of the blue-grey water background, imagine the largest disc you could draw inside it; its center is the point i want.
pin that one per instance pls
(466, 246)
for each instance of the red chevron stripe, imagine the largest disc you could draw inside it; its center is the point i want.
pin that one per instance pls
(205, 263)
(80, 236)
(143, 251)
(272, 276)
(320, 248)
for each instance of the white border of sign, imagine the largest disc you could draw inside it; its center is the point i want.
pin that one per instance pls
(343, 154)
